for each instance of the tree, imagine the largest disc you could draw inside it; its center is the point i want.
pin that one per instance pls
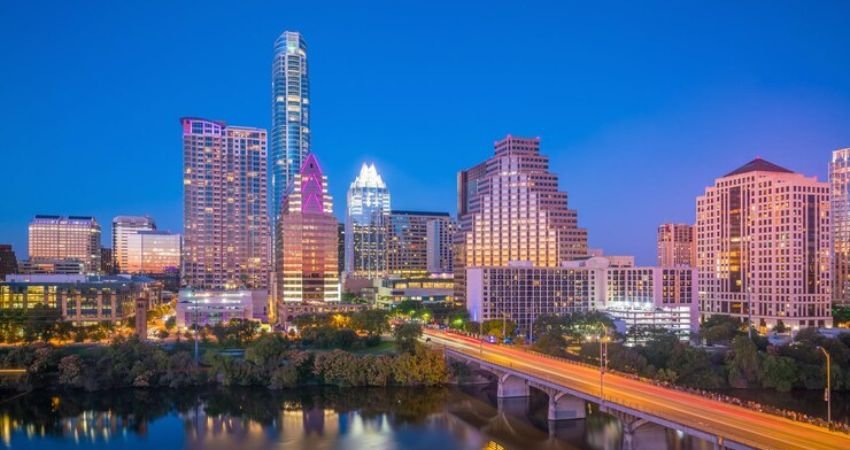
(371, 321)
(720, 329)
(496, 327)
(406, 335)
(780, 327)
(742, 362)
(551, 343)
(778, 372)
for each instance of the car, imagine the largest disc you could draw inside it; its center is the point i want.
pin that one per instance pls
(491, 339)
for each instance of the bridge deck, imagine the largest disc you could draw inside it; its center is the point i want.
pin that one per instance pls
(667, 406)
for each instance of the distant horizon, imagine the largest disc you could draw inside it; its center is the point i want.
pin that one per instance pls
(639, 108)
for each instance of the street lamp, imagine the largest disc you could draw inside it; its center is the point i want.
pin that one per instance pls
(827, 394)
(603, 363)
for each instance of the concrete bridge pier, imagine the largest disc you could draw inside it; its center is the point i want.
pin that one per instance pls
(512, 386)
(563, 406)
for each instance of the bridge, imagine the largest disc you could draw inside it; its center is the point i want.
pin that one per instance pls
(570, 386)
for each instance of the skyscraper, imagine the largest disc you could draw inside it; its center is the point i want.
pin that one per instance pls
(226, 229)
(676, 245)
(839, 180)
(366, 225)
(440, 251)
(8, 261)
(510, 209)
(290, 133)
(73, 238)
(307, 268)
(407, 248)
(763, 247)
(122, 228)
(153, 252)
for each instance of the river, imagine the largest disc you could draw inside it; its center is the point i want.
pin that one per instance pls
(308, 418)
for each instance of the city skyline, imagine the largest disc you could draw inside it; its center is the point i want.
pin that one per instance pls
(760, 107)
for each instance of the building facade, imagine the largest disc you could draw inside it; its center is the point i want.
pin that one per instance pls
(839, 181)
(366, 231)
(225, 206)
(152, 252)
(8, 261)
(290, 133)
(211, 307)
(122, 228)
(407, 248)
(676, 245)
(510, 209)
(307, 266)
(72, 238)
(82, 299)
(763, 247)
(439, 254)
(522, 292)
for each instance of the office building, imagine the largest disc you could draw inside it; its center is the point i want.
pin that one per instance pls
(676, 245)
(522, 292)
(152, 252)
(439, 253)
(226, 231)
(290, 132)
(407, 248)
(107, 261)
(839, 180)
(81, 299)
(763, 247)
(366, 231)
(510, 209)
(8, 261)
(72, 238)
(122, 228)
(341, 247)
(307, 267)
(211, 307)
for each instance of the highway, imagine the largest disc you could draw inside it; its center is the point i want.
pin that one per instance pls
(748, 427)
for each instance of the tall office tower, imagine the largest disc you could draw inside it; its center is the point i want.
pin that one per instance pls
(307, 268)
(366, 225)
(122, 228)
(407, 248)
(226, 229)
(763, 247)
(439, 253)
(839, 180)
(676, 246)
(290, 133)
(8, 261)
(56, 238)
(510, 209)
(153, 252)
(341, 246)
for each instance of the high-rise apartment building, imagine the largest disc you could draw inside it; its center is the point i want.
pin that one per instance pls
(366, 228)
(57, 238)
(307, 268)
(839, 180)
(226, 231)
(341, 246)
(510, 209)
(439, 254)
(152, 252)
(407, 248)
(763, 247)
(122, 228)
(290, 133)
(676, 245)
(107, 261)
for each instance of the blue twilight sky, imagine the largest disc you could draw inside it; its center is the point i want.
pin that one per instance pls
(640, 105)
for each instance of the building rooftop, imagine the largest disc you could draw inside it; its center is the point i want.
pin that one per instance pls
(758, 165)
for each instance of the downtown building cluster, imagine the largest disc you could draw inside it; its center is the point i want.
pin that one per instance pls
(260, 240)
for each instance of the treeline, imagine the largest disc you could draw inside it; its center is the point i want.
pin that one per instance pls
(735, 360)
(271, 361)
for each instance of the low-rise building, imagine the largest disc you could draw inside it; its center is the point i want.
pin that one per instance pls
(210, 307)
(80, 299)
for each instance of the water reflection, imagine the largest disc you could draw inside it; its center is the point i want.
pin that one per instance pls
(317, 418)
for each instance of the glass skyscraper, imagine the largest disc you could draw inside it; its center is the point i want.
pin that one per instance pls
(290, 133)
(365, 224)
(839, 179)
